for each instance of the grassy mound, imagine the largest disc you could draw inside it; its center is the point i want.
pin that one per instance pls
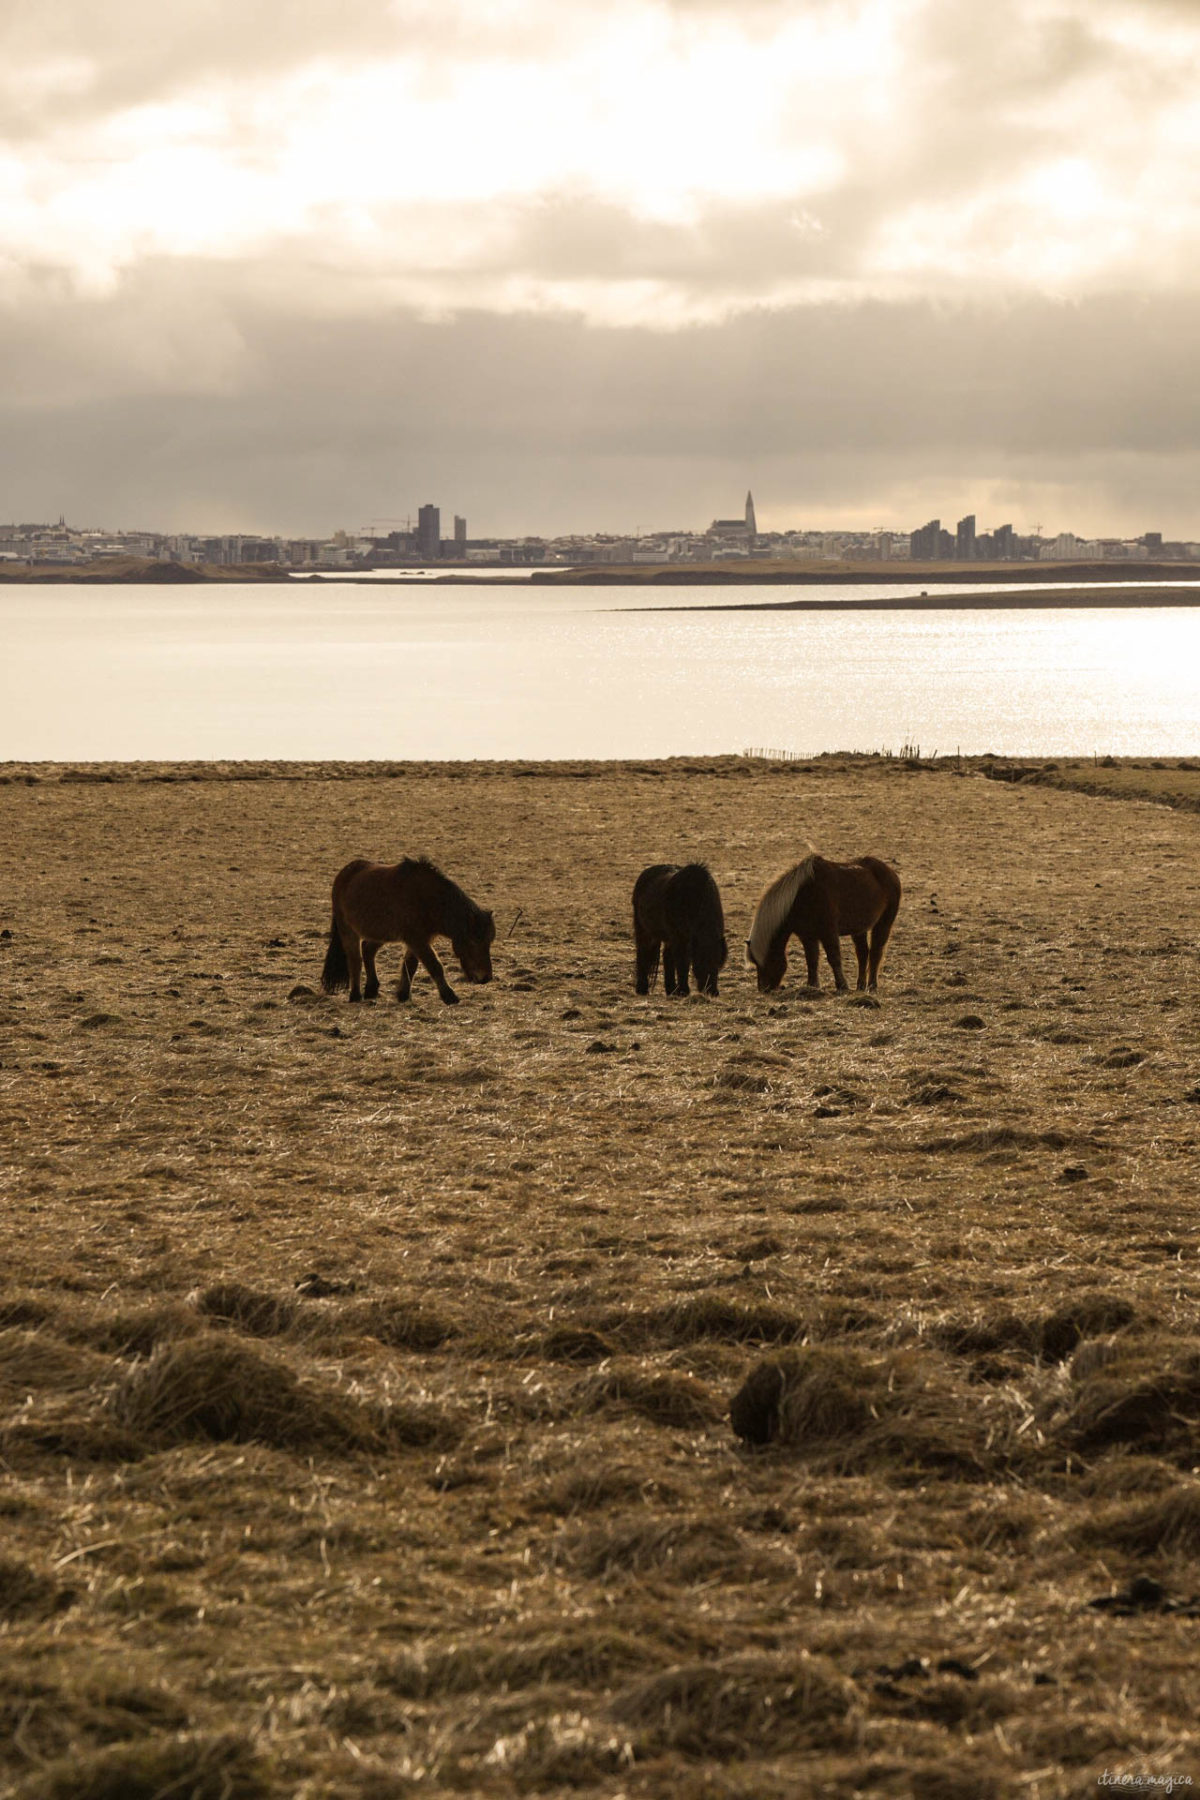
(741, 1706)
(249, 1309)
(218, 1389)
(1169, 1525)
(669, 1399)
(187, 1767)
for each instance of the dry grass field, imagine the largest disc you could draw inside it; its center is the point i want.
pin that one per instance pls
(366, 1373)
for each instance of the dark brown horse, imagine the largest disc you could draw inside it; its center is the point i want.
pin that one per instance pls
(821, 902)
(679, 910)
(410, 902)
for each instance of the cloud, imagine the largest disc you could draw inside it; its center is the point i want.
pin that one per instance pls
(641, 162)
(281, 261)
(875, 413)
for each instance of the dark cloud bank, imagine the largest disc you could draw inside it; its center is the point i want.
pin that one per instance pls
(237, 418)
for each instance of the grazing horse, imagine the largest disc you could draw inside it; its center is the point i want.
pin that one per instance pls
(679, 909)
(821, 901)
(410, 901)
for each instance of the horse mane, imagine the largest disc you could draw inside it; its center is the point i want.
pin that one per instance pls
(462, 909)
(776, 904)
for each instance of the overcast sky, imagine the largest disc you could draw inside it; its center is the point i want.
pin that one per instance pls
(571, 264)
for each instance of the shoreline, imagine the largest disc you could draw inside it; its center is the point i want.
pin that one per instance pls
(1169, 781)
(1027, 577)
(1016, 600)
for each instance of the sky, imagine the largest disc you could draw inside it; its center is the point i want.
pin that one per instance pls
(570, 265)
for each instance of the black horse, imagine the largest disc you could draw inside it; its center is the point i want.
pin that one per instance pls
(679, 910)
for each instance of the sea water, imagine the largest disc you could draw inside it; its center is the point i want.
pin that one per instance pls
(338, 670)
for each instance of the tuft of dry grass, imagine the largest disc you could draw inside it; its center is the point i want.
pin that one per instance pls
(670, 1399)
(133, 1331)
(218, 1389)
(682, 1550)
(26, 1592)
(260, 1314)
(33, 1360)
(585, 1656)
(720, 1709)
(1091, 1315)
(1157, 1412)
(711, 1315)
(576, 1344)
(994, 1329)
(1168, 1525)
(805, 1398)
(401, 1324)
(192, 1766)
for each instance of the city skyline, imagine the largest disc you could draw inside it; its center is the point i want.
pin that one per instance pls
(885, 260)
(420, 540)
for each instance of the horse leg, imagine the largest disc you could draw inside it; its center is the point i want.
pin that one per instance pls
(833, 950)
(706, 983)
(879, 938)
(647, 959)
(862, 951)
(429, 962)
(682, 959)
(407, 970)
(354, 962)
(368, 955)
(668, 962)
(812, 948)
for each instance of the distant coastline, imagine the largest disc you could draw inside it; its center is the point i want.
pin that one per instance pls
(1011, 600)
(1092, 584)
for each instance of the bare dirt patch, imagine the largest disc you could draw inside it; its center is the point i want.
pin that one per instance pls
(366, 1372)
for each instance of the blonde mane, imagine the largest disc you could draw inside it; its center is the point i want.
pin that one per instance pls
(775, 906)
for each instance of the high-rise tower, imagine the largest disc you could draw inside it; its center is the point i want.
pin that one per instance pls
(751, 526)
(429, 533)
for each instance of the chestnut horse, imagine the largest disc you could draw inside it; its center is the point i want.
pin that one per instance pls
(679, 909)
(410, 902)
(821, 901)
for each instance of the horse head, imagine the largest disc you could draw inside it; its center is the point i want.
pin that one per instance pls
(473, 948)
(708, 961)
(773, 967)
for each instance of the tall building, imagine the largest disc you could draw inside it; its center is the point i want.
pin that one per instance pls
(429, 533)
(925, 544)
(1002, 538)
(751, 526)
(964, 539)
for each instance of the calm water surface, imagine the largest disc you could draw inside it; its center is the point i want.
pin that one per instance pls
(341, 671)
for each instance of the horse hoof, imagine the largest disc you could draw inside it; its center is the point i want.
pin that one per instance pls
(450, 998)
(355, 999)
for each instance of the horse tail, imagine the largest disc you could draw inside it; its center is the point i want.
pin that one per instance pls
(336, 973)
